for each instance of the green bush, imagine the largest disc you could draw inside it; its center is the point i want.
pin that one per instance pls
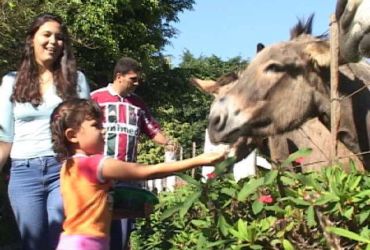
(276, 209)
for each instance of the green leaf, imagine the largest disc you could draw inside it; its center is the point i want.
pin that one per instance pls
(229, 191)
(363, 194)
(257, 207)
(267, 223)
(326, 198)
(223, 225)
(348, 234)
(170, 211)
(298, 154)
(189, 179)
(200, 223)
(348, 213)
(201, 242)
(249, 187)
(287, 245)
(275, 208)
(355, 183)
(243, 230)
(309, 180)
(223, 166)
(217, 243)
(287, 181)
(311, 222)
(194, 197)
(235, 233)
(362, 217)
(297, 201)
(256, 247)
(270, 177)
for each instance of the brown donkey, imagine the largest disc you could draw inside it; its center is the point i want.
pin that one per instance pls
(286, 85)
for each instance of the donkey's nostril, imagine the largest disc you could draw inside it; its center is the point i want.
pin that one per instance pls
(219, 122)
(216, 120)
(218, 117)
(237, 112)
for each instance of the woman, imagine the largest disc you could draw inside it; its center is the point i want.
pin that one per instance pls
(47, 76)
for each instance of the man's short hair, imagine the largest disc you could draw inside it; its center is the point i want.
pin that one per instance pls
(125, 65)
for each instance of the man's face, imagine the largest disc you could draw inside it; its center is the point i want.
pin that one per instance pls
(128, 81)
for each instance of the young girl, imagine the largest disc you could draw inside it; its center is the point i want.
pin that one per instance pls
(78, 138)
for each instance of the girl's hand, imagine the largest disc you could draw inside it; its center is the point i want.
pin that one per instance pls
(214, 157)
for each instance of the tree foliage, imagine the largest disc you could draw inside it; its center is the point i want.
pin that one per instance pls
(102, 31)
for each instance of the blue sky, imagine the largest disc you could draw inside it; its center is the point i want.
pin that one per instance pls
(229, 28)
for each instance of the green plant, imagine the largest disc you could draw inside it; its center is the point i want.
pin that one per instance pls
(276, 209)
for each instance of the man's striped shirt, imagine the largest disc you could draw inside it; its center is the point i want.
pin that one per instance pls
(125, 118)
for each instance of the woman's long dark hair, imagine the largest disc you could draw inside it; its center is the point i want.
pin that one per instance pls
(27, 86)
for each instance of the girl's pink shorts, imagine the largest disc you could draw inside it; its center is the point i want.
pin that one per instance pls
(82, 242)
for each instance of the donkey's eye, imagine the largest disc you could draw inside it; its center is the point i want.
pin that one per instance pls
(274, 67)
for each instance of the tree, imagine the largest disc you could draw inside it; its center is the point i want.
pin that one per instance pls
(181, 108)
(102, 31)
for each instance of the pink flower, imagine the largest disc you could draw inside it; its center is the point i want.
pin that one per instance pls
(266, 199)
(299, 160)
(211, 176)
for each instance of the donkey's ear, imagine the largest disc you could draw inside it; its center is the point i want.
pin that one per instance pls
(319, 53)
(260, 46)
(210, 87)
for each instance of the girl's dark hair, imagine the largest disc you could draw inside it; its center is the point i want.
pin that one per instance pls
(70, 114)
(26, 87)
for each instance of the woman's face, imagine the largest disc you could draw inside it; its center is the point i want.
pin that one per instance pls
(48, 43)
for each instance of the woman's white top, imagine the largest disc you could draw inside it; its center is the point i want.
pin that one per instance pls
(27, 127)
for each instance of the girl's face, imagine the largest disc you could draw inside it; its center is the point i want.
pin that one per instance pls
(90, 137)
(48, 43)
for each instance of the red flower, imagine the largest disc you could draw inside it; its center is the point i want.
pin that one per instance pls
(211, 176)
(299, 160)
(266, 199)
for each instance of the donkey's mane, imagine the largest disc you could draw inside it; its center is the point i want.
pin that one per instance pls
(302, 27)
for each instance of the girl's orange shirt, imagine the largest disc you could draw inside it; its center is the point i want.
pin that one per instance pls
(87, 202)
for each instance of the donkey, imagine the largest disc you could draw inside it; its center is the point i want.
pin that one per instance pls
(277, 148)
(287, 84)
(354, 29)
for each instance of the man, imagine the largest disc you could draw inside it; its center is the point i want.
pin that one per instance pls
(126, 117)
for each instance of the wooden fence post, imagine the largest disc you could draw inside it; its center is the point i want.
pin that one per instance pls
(334, 79)
(193, 153)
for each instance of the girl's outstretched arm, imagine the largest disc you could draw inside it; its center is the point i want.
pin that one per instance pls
(119, 170)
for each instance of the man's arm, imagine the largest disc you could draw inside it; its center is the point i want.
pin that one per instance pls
(162, 139)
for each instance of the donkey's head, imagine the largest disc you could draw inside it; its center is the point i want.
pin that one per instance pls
(276, 93)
